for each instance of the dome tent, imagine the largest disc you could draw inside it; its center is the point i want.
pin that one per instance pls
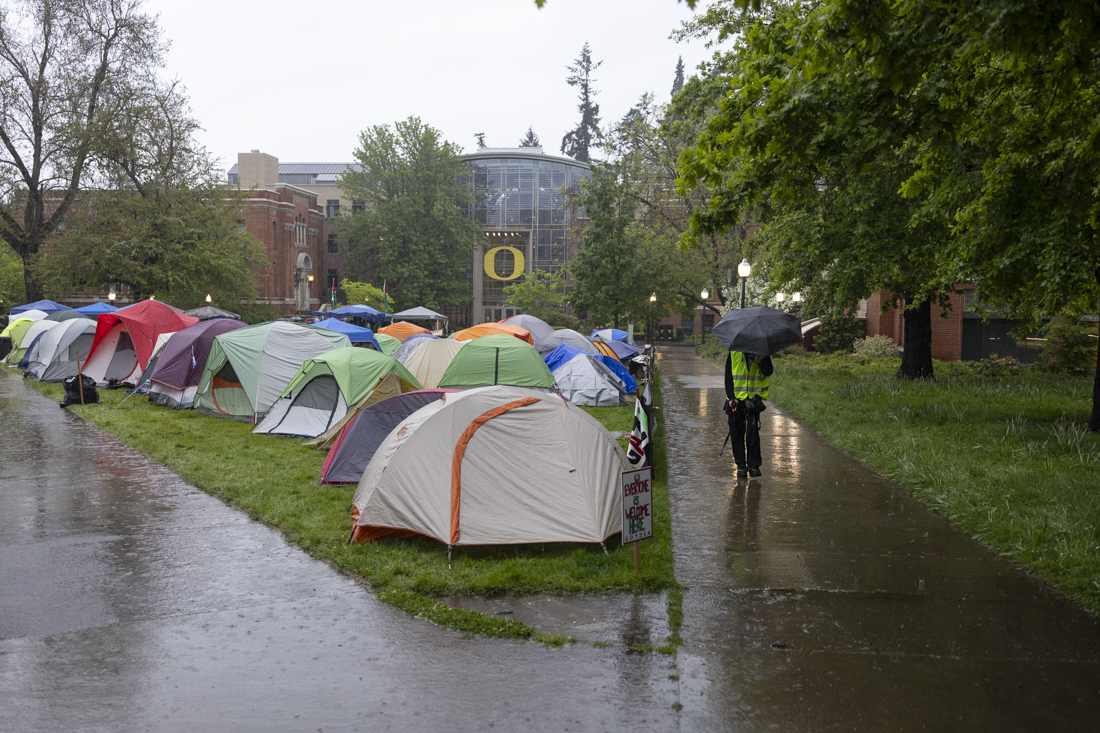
(28, 339)
(15, 331)
(401, 330)
(409, 344)
(493, 360)
(355, 334)
(613, 334)
(497, 465)
(324, 387)
(565, 353)
(249, 368)
(566, 336)
(493, 329)
(124, 340)
(428, 359)
(388, 344)
(584, 379)
(538, 327)
(360, 437)
(175, 377)
(56, 355)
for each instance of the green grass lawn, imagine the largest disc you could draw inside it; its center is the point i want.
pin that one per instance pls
(274, 480)
(1007, 458)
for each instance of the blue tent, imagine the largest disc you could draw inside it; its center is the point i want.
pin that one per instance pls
(46, 306)
(611, 334)
(355, 334)
(96, 309)
(622, 349)
(565, 353)
(355, 311)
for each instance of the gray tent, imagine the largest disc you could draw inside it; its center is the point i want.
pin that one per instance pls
(419, 313)
(566, 336)
(54, 357)
(536, 326)
(585, 380)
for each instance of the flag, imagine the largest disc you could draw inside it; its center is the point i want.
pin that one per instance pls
(639, 435)
(334, 293)
(385, 298)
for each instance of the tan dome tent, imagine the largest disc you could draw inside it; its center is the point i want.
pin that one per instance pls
(494, 466)
(429, 358)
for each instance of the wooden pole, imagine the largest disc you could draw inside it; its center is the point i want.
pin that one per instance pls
(80, 378)
(638, 558)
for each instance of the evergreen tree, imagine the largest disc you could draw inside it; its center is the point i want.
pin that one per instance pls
(678, 83)
(530, 140)
(577, 142)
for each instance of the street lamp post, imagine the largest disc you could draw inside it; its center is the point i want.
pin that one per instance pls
(743, 271)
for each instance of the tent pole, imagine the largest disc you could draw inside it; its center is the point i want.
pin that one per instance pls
(80, 378)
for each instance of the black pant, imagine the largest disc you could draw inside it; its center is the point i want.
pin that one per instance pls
(745, 433)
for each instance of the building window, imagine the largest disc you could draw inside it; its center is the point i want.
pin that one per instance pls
(357, 206)
(333, 248)
(274, 235)
(333, 208)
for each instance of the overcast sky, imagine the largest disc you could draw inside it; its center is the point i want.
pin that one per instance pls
(301, 80)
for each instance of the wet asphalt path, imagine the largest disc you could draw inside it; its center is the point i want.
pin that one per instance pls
(892, 619)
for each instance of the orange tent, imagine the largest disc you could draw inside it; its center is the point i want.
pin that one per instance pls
(402, 330)
(494, 329)
(605, 349)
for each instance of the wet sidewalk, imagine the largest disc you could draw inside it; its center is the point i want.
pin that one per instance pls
(822, 597)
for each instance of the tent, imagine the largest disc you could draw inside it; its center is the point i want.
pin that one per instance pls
(174, 379)
(566, 336)
(364, 312)
(493, 329)
(586, 379)
(144, 381)
(46, 306)
(66, 315)
(248, 369)
(124, 340)
(420, 313)
(55, 356)
(538, 327)
(493, 466)
(619, 349)
(565, 353)
(96, 309)
(355, 334)
(27, 340)
(613, 334)
(428, 359)
(411, 343)
(403, 330)
(207, 312)
(32, 315)
(492, 360)
(389, 344)
(324, 387)
(361, 437)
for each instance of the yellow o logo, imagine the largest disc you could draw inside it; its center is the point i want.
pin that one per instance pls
(491, 266)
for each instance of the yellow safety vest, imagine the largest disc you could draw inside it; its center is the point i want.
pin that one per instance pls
(747, 377)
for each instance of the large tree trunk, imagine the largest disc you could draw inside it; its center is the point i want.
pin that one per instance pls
(916, 360)
(30, 286)
(1094, 419)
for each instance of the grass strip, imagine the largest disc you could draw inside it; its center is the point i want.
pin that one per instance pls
(1006, 457)
(274, 480)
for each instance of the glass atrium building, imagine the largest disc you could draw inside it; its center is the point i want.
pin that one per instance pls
(522, 204)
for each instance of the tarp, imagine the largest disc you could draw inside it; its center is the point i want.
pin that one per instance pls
(493, 329)
(46, 306)
(249, 368)
(402, 330)
(389, 344)
(143, 322)
(565, 353)
(566, 336)
(361, 436)
(584, 380)
(175, 378)
(207, 312)
(411, 343)
(54, 357)
(613, 334)
(619, 349)
(428, 359)
(538, 327)
(492, 466)
(320, 392)
(355, 334)
(95, 309)
(492, 360)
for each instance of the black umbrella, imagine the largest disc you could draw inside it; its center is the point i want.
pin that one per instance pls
(759, 330)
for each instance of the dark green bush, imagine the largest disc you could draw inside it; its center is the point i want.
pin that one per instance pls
(1069, 348)
(994, 366)
(837, 332)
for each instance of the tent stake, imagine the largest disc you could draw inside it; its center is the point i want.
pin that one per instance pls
(605, 549)
(449, 556)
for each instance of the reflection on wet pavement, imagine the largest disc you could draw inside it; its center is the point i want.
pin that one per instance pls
(824, 597)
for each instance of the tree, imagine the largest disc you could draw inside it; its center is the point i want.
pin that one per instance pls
(578, 141)
(530, 140)
(67, 69)
(366, 294)
(480, 139)
(678, 82)
(11, 278)
(540, 294)
(412, 232)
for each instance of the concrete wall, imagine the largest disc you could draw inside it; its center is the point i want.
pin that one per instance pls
(257, 169)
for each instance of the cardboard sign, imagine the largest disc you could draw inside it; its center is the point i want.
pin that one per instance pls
(637, 504)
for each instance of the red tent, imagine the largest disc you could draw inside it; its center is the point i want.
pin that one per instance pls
(144, 320)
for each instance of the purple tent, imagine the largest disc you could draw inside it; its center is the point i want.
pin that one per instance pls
(175, 378)
(360, 438)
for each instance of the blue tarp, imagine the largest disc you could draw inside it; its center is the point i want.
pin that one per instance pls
(96, 309)
(565, 352)
(355, 334)
(355, 311)
(46, 306)
(622, 349)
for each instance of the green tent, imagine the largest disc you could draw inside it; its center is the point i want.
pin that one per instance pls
(328, 387)
(389, 344)
(16, 330)
(248, 369)
(491, 360)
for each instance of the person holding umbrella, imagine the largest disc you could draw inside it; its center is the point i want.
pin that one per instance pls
(752, 335)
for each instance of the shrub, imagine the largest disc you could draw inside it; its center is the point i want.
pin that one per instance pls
(837, 332)
(1069, 348)
(876, 347)
(994, 366)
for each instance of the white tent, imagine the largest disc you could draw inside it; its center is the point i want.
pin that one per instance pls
(33, 315)
(494, 465)
(430, 358)
(55, 356)
(584, 380)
